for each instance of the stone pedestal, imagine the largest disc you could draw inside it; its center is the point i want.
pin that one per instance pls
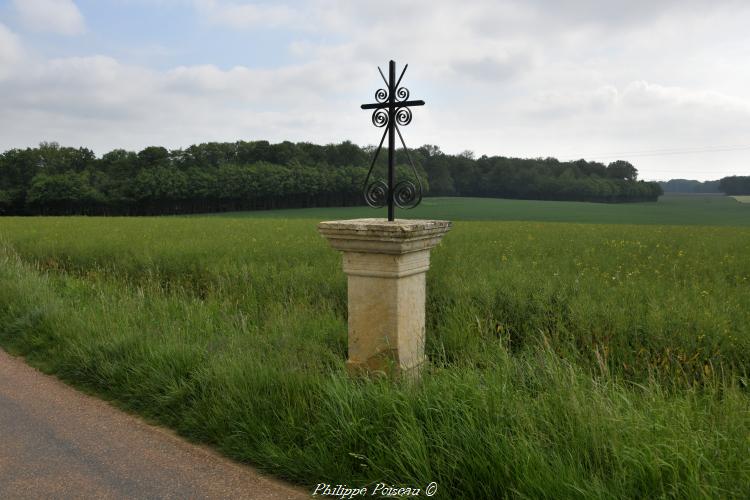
(386, 264)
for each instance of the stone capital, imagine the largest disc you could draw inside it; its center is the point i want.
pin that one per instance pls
(382, 236)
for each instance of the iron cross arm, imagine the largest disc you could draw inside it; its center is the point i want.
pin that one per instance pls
(397, 104)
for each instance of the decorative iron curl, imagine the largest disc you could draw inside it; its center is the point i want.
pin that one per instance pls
(376, 194)
(403, 116)
(406, 194)
(402, 94)
(381, 95)
(380, 117)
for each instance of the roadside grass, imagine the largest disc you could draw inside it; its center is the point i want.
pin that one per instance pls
(566, 360)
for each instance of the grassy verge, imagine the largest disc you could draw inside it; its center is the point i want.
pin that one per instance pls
(566, 360)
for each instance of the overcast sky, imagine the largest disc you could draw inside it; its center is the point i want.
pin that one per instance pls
(664, 84)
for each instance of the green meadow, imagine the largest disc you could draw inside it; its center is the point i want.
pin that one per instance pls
(575, 350)
(671, 209)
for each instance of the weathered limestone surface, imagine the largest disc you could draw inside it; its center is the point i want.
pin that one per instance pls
(386, 264)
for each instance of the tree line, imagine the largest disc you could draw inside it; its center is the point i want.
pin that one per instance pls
(735, 185)
(253, 175)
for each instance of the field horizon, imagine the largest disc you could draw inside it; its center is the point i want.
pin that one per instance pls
(671, 209)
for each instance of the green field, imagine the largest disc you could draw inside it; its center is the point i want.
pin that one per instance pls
(742, 199)
(674, 209)
(566, 360)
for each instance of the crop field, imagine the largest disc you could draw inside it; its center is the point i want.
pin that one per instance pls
(566, 360)
(672, 209)
(742, 199)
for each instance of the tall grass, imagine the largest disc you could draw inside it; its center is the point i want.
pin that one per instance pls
(566, 360)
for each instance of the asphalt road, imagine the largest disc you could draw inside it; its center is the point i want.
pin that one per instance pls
(56, 442)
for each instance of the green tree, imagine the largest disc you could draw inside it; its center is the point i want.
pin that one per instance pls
(622, 170)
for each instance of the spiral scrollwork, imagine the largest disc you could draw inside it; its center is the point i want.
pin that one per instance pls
(380, 118)
(406, 194)
(402, 93)
(403, 116)
(381, 95)
(376, 194)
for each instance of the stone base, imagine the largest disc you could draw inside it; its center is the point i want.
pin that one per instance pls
(386, 264)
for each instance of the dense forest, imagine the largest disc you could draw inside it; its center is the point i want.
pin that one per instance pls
(214, 177)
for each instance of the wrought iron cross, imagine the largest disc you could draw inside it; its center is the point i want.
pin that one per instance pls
(392, 110)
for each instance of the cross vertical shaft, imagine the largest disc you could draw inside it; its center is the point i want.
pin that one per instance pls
(391, 133)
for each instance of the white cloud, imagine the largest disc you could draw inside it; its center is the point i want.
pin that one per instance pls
(567, 104)
(52, 16)
(11, 51)
(492, 68)
(520, 78)
(101, 103)
(645, 94)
